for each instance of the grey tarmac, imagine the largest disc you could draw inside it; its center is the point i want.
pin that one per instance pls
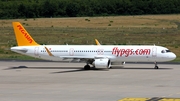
(57, 81)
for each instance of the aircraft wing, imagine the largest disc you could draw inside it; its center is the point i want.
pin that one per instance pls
(87, 57)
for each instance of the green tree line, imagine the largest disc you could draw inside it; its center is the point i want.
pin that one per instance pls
(78, 8)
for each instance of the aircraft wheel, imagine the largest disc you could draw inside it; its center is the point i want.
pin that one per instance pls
(87, 67)
(156, 67)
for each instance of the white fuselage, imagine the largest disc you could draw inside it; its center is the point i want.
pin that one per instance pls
(133, 53)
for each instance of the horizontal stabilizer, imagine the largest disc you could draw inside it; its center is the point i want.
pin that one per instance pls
(20, 49)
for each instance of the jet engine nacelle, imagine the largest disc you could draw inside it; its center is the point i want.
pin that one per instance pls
(102, 63)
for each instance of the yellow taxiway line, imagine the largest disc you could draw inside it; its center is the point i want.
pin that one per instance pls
(150, 99)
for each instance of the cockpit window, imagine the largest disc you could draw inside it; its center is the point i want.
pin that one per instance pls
(168, 51)
(163, 51)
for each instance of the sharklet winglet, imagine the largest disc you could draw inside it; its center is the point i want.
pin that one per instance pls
(49, 53)
(97, 42)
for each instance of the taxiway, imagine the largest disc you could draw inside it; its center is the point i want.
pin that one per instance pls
(54, 81)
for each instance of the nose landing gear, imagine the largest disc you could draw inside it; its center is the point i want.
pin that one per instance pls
(156, 66)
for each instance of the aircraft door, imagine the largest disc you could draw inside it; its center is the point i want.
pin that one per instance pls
(36, 51)
(71, 51)
(154, 52)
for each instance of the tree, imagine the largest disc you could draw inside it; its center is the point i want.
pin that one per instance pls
(72, 9)
(49, 8)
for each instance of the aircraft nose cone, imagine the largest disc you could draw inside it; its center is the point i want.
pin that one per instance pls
(173, 56)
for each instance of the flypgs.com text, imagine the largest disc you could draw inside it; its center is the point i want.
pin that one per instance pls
(127, 52)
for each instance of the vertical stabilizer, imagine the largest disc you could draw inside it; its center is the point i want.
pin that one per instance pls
(23, 38)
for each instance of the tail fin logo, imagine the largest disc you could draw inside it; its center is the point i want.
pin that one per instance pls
(26, 35)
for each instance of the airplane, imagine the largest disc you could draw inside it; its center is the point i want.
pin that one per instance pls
(97, 56)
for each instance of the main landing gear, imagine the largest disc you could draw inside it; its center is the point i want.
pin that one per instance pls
(156, 66)
(87, 67)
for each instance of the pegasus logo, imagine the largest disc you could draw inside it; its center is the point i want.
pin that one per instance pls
(25, 34)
